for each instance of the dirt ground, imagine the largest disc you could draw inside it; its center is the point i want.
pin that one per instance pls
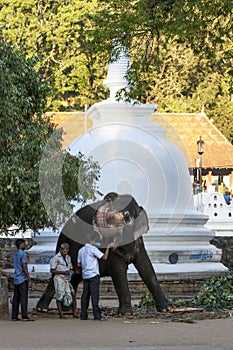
(176, 330)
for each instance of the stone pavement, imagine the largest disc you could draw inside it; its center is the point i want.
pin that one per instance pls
(125, 333)
(228, 347)
(51, 333)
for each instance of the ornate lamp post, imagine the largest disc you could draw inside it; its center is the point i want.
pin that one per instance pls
(200, 151)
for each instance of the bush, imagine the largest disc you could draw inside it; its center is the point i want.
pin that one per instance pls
(216, 293)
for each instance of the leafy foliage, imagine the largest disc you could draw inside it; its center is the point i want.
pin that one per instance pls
(24, 134)
(181, 51)
(64, 180)
(61, 35)
(181, 54)
(146, 300)
(216, 293)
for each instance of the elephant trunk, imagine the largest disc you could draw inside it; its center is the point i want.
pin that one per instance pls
(109, 223)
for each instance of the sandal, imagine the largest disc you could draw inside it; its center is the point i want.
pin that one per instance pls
(28, 319)
(62, 317)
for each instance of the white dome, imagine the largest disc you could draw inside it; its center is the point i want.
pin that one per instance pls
(136, 158)
(140, 162)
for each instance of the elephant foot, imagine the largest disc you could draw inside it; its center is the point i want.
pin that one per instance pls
(46, 297)
(125, 311)
(42, 305)
(167, 308)
(38, 309)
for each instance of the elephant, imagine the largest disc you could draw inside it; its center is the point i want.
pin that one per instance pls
(116, 218)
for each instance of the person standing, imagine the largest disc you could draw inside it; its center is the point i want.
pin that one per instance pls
(227, 197)
(22, 282)
(62, 270)
(88, 260)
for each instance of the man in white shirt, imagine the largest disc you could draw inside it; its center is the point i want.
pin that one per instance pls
(88, 260)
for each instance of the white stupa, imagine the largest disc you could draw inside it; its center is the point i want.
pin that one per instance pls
(136, 158)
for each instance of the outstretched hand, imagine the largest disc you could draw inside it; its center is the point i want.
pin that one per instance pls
(111, 245)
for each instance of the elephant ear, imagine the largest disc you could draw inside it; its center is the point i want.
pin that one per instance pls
(77, 227)
(137, 217)
(141, 224)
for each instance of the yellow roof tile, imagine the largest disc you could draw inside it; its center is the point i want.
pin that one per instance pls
(181, 128)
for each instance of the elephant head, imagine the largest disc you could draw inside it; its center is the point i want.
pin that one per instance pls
(116, 218)
(120, 219)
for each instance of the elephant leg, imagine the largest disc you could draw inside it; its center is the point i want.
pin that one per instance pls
(75, 280)
(147, 273)
(48, 293)
(118, 268)
(46, 297)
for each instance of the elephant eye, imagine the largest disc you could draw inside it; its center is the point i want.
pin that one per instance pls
(127, 217)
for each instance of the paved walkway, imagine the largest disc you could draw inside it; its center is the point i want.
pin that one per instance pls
(50, 333)
(117, 333)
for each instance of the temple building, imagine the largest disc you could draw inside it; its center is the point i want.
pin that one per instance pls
(137, 157)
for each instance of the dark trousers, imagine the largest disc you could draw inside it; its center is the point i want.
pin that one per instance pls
(20, 298)
(90, 289)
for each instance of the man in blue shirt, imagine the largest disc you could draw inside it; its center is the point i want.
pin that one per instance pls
(88, 260)
(227, 197)
(22, 282)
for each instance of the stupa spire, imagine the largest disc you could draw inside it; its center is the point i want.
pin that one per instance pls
(117, 71)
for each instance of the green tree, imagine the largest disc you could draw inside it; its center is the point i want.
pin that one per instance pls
(181, 53)
(179, 50)
(60, 34)
(25, 133)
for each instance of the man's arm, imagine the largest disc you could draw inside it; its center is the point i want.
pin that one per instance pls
(56, 272)
(79, 268)
(53, 269)
(25, 270)
(105, 256)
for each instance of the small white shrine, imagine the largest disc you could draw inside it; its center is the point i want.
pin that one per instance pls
(219, 213)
